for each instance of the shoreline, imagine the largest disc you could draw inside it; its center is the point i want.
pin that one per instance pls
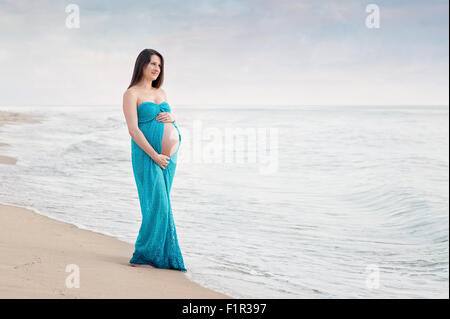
(36, 251)
(7, 117)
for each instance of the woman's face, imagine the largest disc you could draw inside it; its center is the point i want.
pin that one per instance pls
(153, 69)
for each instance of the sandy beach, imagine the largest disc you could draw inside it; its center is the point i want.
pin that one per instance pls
(37, 253)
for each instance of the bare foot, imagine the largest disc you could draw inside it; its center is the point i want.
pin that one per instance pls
(141, 265)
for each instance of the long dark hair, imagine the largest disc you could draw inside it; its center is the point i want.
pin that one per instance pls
(141, 62)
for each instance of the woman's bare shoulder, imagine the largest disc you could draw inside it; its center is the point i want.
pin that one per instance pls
(130, 92)
(130, 97)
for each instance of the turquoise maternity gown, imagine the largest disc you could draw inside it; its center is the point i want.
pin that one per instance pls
(157, 242)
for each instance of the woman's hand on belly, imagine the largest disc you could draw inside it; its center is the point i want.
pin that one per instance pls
(165, 117)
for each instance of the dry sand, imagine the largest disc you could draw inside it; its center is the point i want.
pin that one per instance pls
(35, 251)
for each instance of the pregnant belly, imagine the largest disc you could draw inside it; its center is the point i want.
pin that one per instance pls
(170, 140)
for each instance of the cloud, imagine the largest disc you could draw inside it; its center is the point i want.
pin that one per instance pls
(227, 52)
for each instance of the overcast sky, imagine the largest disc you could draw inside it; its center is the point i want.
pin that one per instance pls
(222, 52)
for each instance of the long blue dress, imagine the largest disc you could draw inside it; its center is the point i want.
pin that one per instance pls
(157, 242)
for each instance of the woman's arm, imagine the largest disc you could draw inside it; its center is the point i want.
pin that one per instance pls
(130, 112)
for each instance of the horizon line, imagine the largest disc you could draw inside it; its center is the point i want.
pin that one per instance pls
(228, 105)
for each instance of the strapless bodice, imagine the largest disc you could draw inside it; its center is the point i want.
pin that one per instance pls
(148, 111)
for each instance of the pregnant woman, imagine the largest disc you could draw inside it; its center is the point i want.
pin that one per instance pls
(155, 140)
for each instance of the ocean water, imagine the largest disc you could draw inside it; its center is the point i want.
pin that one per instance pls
(349, 202)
